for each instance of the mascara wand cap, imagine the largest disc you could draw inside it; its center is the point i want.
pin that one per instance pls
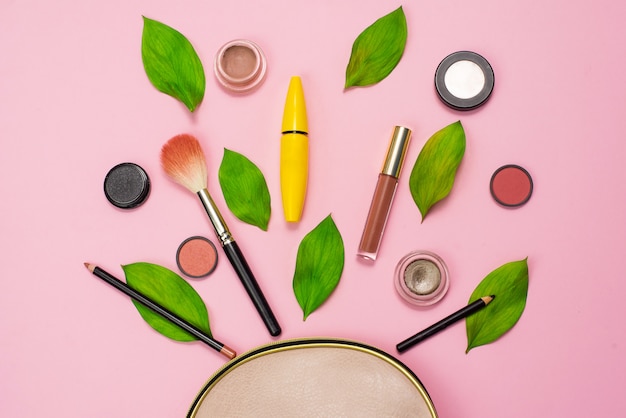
(397, 151)
(294, 116)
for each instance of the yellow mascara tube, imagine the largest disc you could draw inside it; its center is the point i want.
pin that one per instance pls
(294, 152)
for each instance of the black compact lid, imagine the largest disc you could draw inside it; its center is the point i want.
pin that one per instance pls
(461, 103)
(126, 185)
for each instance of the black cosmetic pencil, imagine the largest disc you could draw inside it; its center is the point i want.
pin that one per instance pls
(176, 320)
(183, 161)
(444, 323)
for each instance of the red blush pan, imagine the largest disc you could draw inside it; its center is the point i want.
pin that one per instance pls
(196, 257)
(511, 185)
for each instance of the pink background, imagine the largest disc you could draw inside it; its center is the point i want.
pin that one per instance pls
(75, 101)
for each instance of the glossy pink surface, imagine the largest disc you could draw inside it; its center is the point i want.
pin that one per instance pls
(75, 101)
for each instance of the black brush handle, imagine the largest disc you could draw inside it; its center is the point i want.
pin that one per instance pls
(240, 265)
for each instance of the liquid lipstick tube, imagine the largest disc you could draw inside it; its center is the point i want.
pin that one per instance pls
(384, 194)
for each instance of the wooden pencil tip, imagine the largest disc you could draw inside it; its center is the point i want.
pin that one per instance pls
(488, 299)
(228, 352)
(89, 266)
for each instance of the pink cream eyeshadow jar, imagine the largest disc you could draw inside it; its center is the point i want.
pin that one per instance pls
(421, 278)
(511, 186)
(240, 66)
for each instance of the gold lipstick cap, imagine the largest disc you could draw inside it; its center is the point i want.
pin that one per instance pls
(397, 151)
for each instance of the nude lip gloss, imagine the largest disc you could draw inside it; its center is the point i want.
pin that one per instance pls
(384, 194)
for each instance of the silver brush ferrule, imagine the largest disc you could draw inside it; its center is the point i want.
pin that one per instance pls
(221, 230)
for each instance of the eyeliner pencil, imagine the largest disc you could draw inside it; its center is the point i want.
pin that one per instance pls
(444, 323)
(173, 318)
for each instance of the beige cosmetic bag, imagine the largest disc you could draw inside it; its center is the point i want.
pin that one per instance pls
(313, 378)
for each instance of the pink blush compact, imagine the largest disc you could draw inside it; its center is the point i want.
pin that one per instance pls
(511, 185)
(196, 257)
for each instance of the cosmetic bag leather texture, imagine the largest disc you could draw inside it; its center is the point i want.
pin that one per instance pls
(313, 377)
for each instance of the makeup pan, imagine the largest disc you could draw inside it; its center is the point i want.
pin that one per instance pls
(464, 80)
(126, 185)
(240, 66)
(196, 257)
(511, 185)
(421, 278)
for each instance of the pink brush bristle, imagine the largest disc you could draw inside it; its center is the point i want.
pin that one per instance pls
(183, 160)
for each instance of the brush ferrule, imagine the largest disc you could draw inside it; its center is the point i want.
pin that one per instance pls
(221, 230)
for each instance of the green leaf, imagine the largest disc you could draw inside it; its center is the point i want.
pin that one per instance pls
(173, 293)
(377, 50)
(509, 284)
(171, 63)
(319, 265)
(245, 190)
(433, 174)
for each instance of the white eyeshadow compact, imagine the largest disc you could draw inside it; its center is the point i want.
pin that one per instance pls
(464, 80)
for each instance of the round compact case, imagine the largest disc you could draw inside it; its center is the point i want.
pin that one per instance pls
(313, 378)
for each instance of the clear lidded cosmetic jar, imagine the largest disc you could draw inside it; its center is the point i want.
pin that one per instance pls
(421, 278)
(240, 66)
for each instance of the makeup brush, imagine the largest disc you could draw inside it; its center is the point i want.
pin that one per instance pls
(183, 160)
